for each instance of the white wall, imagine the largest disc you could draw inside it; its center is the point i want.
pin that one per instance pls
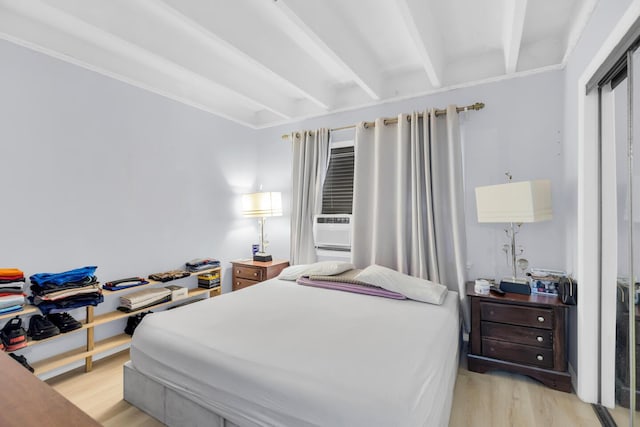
(97, 172)
(519, 130)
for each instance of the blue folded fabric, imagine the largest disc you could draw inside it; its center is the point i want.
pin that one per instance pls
(125, 286)
(60, 278)
(11, 309)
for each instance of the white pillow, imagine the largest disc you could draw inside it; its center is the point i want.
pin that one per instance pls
(328, 268)
(409, 286)
(293, 272)
(322, 268)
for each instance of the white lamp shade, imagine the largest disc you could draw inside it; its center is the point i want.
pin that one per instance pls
(518, 202)
(262, 204)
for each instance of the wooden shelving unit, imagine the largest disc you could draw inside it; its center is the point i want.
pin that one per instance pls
(115, 315)
(28, 309)
(80, 353)
(93, 347)
(31, 342)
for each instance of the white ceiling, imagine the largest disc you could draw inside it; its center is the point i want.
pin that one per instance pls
(268, 62)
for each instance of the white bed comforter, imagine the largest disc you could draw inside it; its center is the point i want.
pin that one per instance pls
(282, 354)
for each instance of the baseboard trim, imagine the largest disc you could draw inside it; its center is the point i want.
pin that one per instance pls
(604, 416)
(574, 377)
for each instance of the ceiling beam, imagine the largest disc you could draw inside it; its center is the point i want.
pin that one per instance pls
(184, 56)
(579, 22)
(514, 14)
(216, 29)
(68, 38)
(425, 36)
(328, 39)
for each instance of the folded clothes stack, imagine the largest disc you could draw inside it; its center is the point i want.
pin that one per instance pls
(11, 290)
(127, 283)
(168, 276)
(143, 299)
(200, 264)
(60, 292)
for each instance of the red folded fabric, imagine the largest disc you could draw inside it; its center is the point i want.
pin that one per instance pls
(11, 274)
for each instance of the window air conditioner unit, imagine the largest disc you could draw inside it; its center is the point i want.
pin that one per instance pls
(332, 232)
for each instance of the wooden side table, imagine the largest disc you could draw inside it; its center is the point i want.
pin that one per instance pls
(248, 272)
(524, 334)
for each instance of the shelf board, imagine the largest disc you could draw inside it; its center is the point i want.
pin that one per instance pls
(115, 315)
(27, 310)
(155, 282)
(35, 342)
(79, 354)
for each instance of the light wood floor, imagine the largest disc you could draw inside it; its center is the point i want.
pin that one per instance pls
(621, 416)
(495, 399)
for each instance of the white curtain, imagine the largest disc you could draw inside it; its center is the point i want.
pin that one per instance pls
(408, 198)
(310, 161)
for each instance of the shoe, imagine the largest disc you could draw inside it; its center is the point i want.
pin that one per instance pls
(14, 336)
(21, 360)
(64, 321)
(40, 328)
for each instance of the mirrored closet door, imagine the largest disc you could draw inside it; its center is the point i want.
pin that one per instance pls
(620, 231)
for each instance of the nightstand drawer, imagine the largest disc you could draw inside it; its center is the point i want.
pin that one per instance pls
(248, 273)
(517, 334)
(520, 353)
(239, 283)
(517, 315)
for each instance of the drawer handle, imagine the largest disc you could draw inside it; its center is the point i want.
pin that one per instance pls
(237, 271)
(255, 274)
(540, 339)
(540, 319)
(540, 357)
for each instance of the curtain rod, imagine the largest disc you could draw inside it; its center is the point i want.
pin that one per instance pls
(390, 120)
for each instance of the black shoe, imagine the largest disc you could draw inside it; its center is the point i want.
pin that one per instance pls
(13, 335)
(21, 360)
(40, 328)
(64, 321)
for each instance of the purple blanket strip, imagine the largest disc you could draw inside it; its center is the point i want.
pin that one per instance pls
(350, 287)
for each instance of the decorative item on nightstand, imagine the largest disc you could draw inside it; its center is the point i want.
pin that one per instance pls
(514, 203)
(262, 205)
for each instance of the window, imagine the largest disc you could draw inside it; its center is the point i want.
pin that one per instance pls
(337, 190)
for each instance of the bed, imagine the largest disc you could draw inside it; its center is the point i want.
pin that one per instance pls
(281, 354)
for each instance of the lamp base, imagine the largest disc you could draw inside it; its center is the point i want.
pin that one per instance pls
(515, 286)
(262, 257)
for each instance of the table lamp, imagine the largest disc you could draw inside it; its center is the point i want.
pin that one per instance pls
(262, 205)
(514, 203)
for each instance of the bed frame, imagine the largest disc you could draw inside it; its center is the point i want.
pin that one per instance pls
(167, 405)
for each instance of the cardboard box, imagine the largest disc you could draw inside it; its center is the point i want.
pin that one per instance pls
(178, 292)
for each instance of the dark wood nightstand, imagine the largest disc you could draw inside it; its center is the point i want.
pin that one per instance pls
(525, 334)
(248, 272)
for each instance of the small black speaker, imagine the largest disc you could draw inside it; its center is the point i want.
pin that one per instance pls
(515, 288)
(262, 257)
